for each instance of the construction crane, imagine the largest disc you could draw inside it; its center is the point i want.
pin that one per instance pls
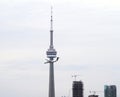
(75, 76)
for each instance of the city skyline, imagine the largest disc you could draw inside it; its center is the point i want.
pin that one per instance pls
(86, 37)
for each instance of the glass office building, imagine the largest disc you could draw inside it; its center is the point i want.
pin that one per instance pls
(110, 91)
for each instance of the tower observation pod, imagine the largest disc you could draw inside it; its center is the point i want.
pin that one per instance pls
(51, 54)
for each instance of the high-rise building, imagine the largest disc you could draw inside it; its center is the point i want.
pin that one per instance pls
(77, 89)
(110, 91)
(51, 55)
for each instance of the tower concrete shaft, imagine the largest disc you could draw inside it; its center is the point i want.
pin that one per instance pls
(51, 81)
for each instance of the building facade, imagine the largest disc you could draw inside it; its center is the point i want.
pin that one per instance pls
(77, 89)
(110, 91)
(93, 96)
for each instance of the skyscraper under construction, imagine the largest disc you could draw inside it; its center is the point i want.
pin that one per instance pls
(77, 89)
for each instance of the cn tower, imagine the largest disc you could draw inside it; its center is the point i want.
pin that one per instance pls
(51, 55)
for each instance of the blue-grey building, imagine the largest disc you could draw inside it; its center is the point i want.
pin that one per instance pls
(110, 91)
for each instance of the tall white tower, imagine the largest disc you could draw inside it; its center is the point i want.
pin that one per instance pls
(51, 54)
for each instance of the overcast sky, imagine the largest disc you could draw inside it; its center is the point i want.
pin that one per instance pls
(86, 36)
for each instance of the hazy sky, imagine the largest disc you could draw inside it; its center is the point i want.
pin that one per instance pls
(86, 36)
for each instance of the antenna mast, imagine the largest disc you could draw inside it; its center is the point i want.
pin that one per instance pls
(51, 29)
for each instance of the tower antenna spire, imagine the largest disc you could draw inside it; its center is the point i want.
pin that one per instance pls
(51, 29)
(51, 18)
